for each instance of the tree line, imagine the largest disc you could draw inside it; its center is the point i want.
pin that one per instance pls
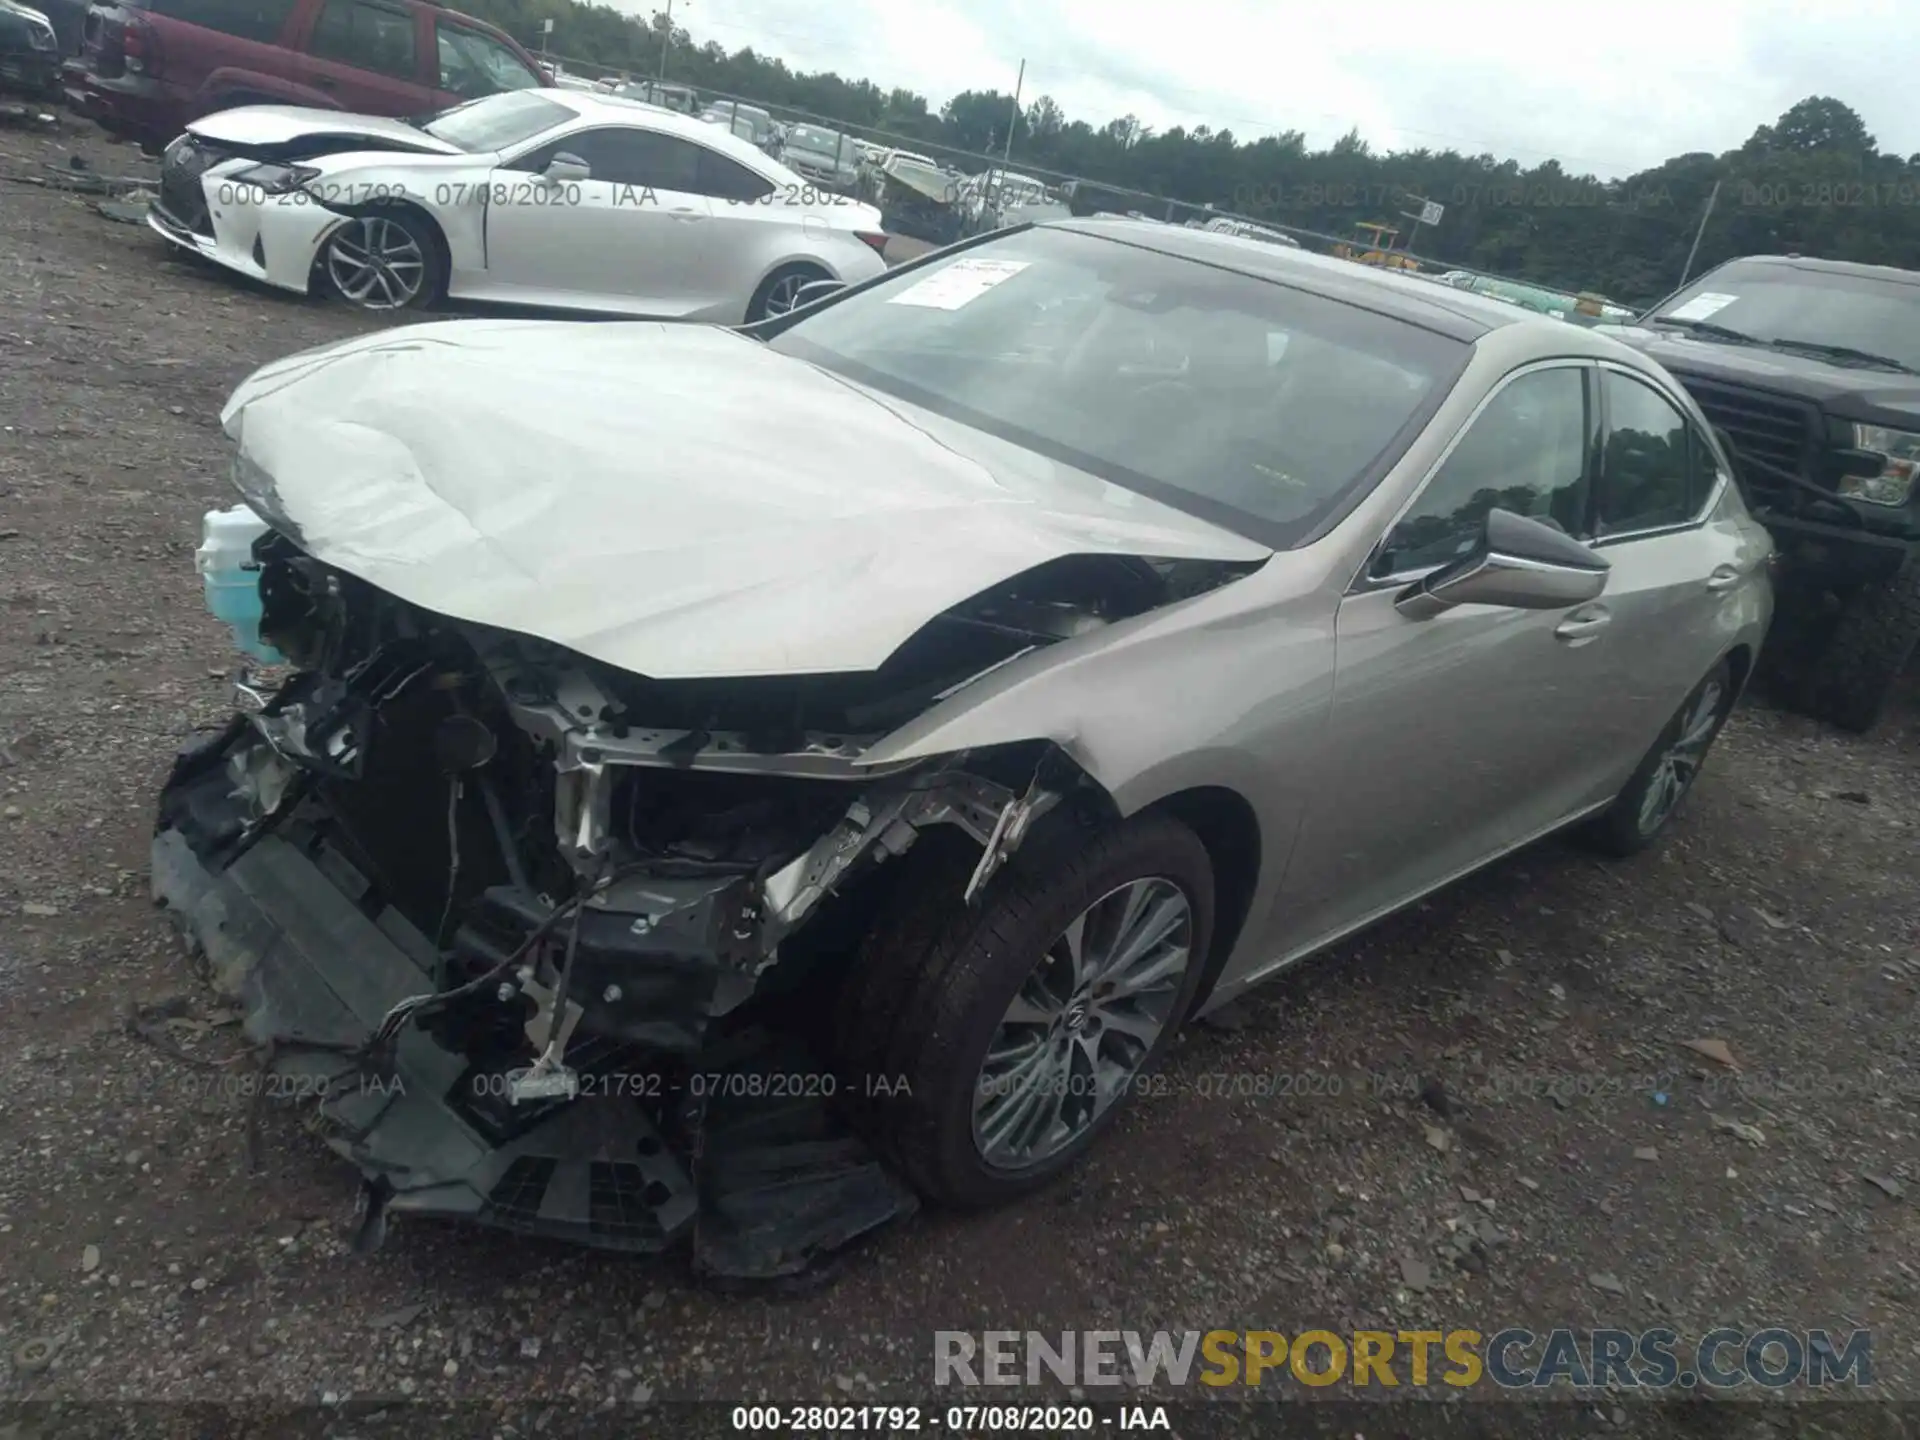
(1813, 182)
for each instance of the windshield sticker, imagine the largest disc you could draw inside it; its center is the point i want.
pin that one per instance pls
(959, 283)
(1700, 306)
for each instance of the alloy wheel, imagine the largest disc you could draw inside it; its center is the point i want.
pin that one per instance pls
(1083, 1023)
(376, 263)
(1674, 772)
(784, 292)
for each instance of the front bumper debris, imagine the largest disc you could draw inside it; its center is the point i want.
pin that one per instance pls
(557, 945)
(296, 932)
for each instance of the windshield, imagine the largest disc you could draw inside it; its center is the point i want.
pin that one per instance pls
(1774, 302)
(497, 122)
(1260, 407)
(812, 137)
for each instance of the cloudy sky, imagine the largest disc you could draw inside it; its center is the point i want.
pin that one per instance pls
(1653, 78)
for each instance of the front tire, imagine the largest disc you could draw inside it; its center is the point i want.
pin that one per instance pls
(385, 260)
(1000, 1040)
(1654, 792)
(1868, 651)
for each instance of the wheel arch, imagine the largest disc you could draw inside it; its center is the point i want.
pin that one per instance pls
(1229, 829)
(1212, 800)
(822, 270)
(1740, 662)
(436, 233)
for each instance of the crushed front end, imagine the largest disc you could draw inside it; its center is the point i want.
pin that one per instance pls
(540, 930)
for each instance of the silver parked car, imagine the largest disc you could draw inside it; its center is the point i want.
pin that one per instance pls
(826, 157)
(758, 777)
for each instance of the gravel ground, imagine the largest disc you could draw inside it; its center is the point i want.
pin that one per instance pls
(1440, 1186)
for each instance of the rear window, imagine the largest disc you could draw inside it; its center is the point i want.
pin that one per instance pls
(261, 20)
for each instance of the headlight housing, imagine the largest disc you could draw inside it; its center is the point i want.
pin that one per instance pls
(275, 179)
(1899, 452)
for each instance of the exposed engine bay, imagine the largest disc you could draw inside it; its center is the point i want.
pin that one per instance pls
(549, 934)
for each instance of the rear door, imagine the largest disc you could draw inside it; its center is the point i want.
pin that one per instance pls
(1675, 593)
(632, 235)
(365, 55)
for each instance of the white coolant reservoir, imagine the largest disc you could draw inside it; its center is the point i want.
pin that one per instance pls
(232, 579)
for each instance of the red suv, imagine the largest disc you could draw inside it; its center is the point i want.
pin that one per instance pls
(147, 67)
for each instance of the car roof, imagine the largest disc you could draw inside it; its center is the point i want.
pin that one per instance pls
(621, 110)
(1456, 313)
(1829, 267)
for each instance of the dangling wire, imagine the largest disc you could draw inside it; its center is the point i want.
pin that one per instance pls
(551, 1055)
(456, 787)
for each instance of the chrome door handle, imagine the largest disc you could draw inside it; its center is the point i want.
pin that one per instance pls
(687, 212)
(1725, 577)
(1581, 626)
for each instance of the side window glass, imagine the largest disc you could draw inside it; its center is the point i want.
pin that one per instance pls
(535, 161)
(248, 19)
(472, 64)
(1649, 470)
(367, 37)
(629, 156)
(1526, 452)
(722, 179)
(1706, 471)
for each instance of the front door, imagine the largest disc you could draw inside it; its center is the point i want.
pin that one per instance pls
(1457, 736)
(619, 240)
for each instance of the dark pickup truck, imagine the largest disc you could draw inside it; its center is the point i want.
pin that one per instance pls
(1810, 369)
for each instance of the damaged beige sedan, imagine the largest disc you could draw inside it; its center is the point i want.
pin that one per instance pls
(724, 786)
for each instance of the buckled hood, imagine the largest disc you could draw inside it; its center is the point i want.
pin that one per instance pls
(676, 500)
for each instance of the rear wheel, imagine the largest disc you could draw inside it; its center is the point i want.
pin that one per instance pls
(385, 259)
(1648, 801)
(1001, 1039)
(1868, 651)
(779, 291)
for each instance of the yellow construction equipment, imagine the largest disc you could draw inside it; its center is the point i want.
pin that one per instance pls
(1373, 245)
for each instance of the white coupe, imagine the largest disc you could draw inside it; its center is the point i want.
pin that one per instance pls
(552, 198)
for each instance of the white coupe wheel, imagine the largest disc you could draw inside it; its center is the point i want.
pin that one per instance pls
(781, 290)
(383, 261)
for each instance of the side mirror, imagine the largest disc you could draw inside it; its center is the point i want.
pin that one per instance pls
(565, 169)
(814, 290)
(1517, 562)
